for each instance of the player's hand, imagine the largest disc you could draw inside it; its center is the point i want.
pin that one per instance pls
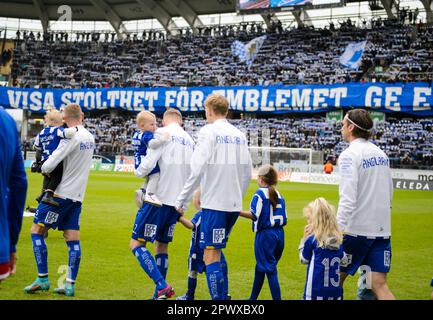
(307, 230)
(180, 210)
(13, 263)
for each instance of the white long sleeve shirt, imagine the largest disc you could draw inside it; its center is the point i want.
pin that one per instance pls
(222, 165)
(365, 190)
(76, 154)
(173, 158)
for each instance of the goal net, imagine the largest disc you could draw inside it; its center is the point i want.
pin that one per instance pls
(287, 160)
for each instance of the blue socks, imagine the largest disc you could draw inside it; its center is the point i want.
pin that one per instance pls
(215, 280)
(41, 257)
(162, 263)
(259, 278)
(161, 260)
(149, 266)
(74, 253)
(274, 285)
(225, 271)
(41, 254)
(192, 284)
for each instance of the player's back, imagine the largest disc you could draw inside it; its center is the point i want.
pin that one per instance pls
(76, 165)
(323, 271)
(266, 216)
(372, 214)
(174, 163)
(222, 182)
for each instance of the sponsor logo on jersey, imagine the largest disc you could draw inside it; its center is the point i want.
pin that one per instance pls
(171, 230)
(387, 258)
(375, 161)
(218, 235)
(51, 217)
(87, 145)
(229, 140)
(149, 230)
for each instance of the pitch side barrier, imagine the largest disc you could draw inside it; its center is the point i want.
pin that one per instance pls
(402, 179)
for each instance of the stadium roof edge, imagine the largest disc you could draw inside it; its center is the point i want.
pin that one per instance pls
(88, 10)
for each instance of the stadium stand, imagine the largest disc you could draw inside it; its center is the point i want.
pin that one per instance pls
(408, 142)
(396, 52)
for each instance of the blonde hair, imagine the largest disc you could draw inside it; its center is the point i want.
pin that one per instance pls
(53, 117)
(324, 223)
(218, 103)
(173, 114)
(73, 111)
(144, 116)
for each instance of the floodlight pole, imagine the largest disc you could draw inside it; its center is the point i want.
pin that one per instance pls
(43, 15)
(160, 14)
(387, 5)
(111, 16)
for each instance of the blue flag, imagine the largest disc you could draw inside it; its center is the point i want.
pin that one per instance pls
(351, 58)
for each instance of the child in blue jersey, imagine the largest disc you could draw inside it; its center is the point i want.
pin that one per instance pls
(46, 143)
(268, 212)
(143, 139)
(196, 263)
(321, 248)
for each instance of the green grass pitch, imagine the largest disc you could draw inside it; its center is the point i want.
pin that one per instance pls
(109, 271)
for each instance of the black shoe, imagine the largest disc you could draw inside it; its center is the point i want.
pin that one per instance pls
(48, 199)
(30, 209)
(39, 199)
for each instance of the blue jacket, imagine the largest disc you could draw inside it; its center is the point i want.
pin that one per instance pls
(13, 186)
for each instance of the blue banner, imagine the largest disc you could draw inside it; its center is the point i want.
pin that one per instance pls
(412, 98)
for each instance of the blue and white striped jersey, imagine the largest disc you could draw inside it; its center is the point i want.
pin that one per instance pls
(323, 272)
(48, 140)
(140, 143)
(262, 209)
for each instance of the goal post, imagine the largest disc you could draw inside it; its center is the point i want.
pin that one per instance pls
(287, 160)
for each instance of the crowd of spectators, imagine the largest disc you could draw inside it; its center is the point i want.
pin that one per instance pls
(395, 52)
(407, 142)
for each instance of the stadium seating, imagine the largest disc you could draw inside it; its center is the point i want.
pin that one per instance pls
(395, 52)
(407, 142)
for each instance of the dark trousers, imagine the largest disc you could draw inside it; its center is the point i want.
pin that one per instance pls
(54, 179)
